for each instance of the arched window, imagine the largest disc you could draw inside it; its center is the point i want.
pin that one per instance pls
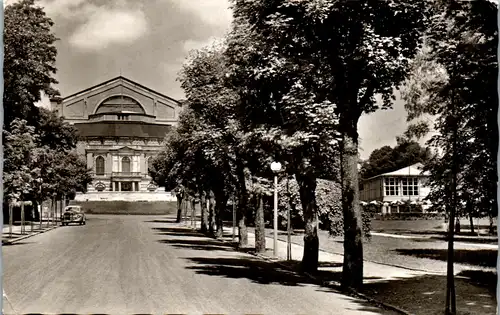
(99, 165)
(126, 164)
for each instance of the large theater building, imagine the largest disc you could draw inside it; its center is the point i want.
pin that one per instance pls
(122, 126)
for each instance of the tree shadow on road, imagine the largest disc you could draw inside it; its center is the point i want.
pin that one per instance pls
(16, 243)
(198, 244)
(255, 269)
(162, 221)
(181, 234)
(177, 231)
(482, 257)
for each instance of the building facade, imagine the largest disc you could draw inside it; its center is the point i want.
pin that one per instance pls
(392, 189)
(121, 126)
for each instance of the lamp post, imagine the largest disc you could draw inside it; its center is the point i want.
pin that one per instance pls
(275, 167)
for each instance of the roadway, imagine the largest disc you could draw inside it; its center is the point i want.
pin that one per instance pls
(118, 264)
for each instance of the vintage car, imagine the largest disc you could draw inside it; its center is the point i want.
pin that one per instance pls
(73, 214)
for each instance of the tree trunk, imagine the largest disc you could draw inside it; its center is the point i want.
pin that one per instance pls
(260, 226)
(211, 213)
(220, 206)
(471, 220)
(203, 206)
(11, 218)
(186, 207)
(291, 202)
(22, 217)
(491, 224)
(193, 212)
(179, 209)
(307, 190)
(470, 209)
(242, 225)
(241, 212)
(40, 217)
(352, 271)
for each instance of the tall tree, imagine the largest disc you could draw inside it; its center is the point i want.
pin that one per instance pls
(454, 79)
(29, 60)
(20, 171)
(54, 132)
(292, 125)
(202, 78)
(338, 55)
(196, 158)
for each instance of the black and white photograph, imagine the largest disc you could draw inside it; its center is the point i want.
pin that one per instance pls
(250, 157)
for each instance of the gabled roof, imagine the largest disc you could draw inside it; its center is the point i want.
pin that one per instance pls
(412, 170)
(120, 78)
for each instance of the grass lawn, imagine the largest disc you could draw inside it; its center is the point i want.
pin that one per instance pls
(426, 226)
(428, 254)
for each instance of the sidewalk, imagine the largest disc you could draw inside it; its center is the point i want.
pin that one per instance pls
(17, 235)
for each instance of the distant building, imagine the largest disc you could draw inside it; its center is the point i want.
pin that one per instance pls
(122, 126)
(392, 189)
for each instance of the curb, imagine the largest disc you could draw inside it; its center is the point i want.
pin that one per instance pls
(8, 242)
(331, 284)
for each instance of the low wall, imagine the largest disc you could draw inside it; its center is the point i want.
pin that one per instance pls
(128, 207)
(125, 196)
(409, 216)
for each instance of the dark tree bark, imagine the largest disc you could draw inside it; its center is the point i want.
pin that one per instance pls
(241, 211)
(220, 206)
(242, 226)
(203, 206)
(193, 210)
(41, 213)
(352, 271)
(186, 207)
(491, 230)
(260, 225)
(307, 190)
(211, 213)
(471, 220)
(179, 209)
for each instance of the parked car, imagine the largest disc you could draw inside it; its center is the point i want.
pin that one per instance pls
(73, 214)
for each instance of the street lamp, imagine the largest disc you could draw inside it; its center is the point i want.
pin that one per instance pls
(275, 167)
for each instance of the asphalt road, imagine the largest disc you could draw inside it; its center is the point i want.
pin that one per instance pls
(145, 264)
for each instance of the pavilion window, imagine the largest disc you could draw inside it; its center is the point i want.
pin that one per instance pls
(99, 166)
(391, 186)
(410, 186)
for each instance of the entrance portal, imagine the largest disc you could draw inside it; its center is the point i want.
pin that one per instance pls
(126, 186)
